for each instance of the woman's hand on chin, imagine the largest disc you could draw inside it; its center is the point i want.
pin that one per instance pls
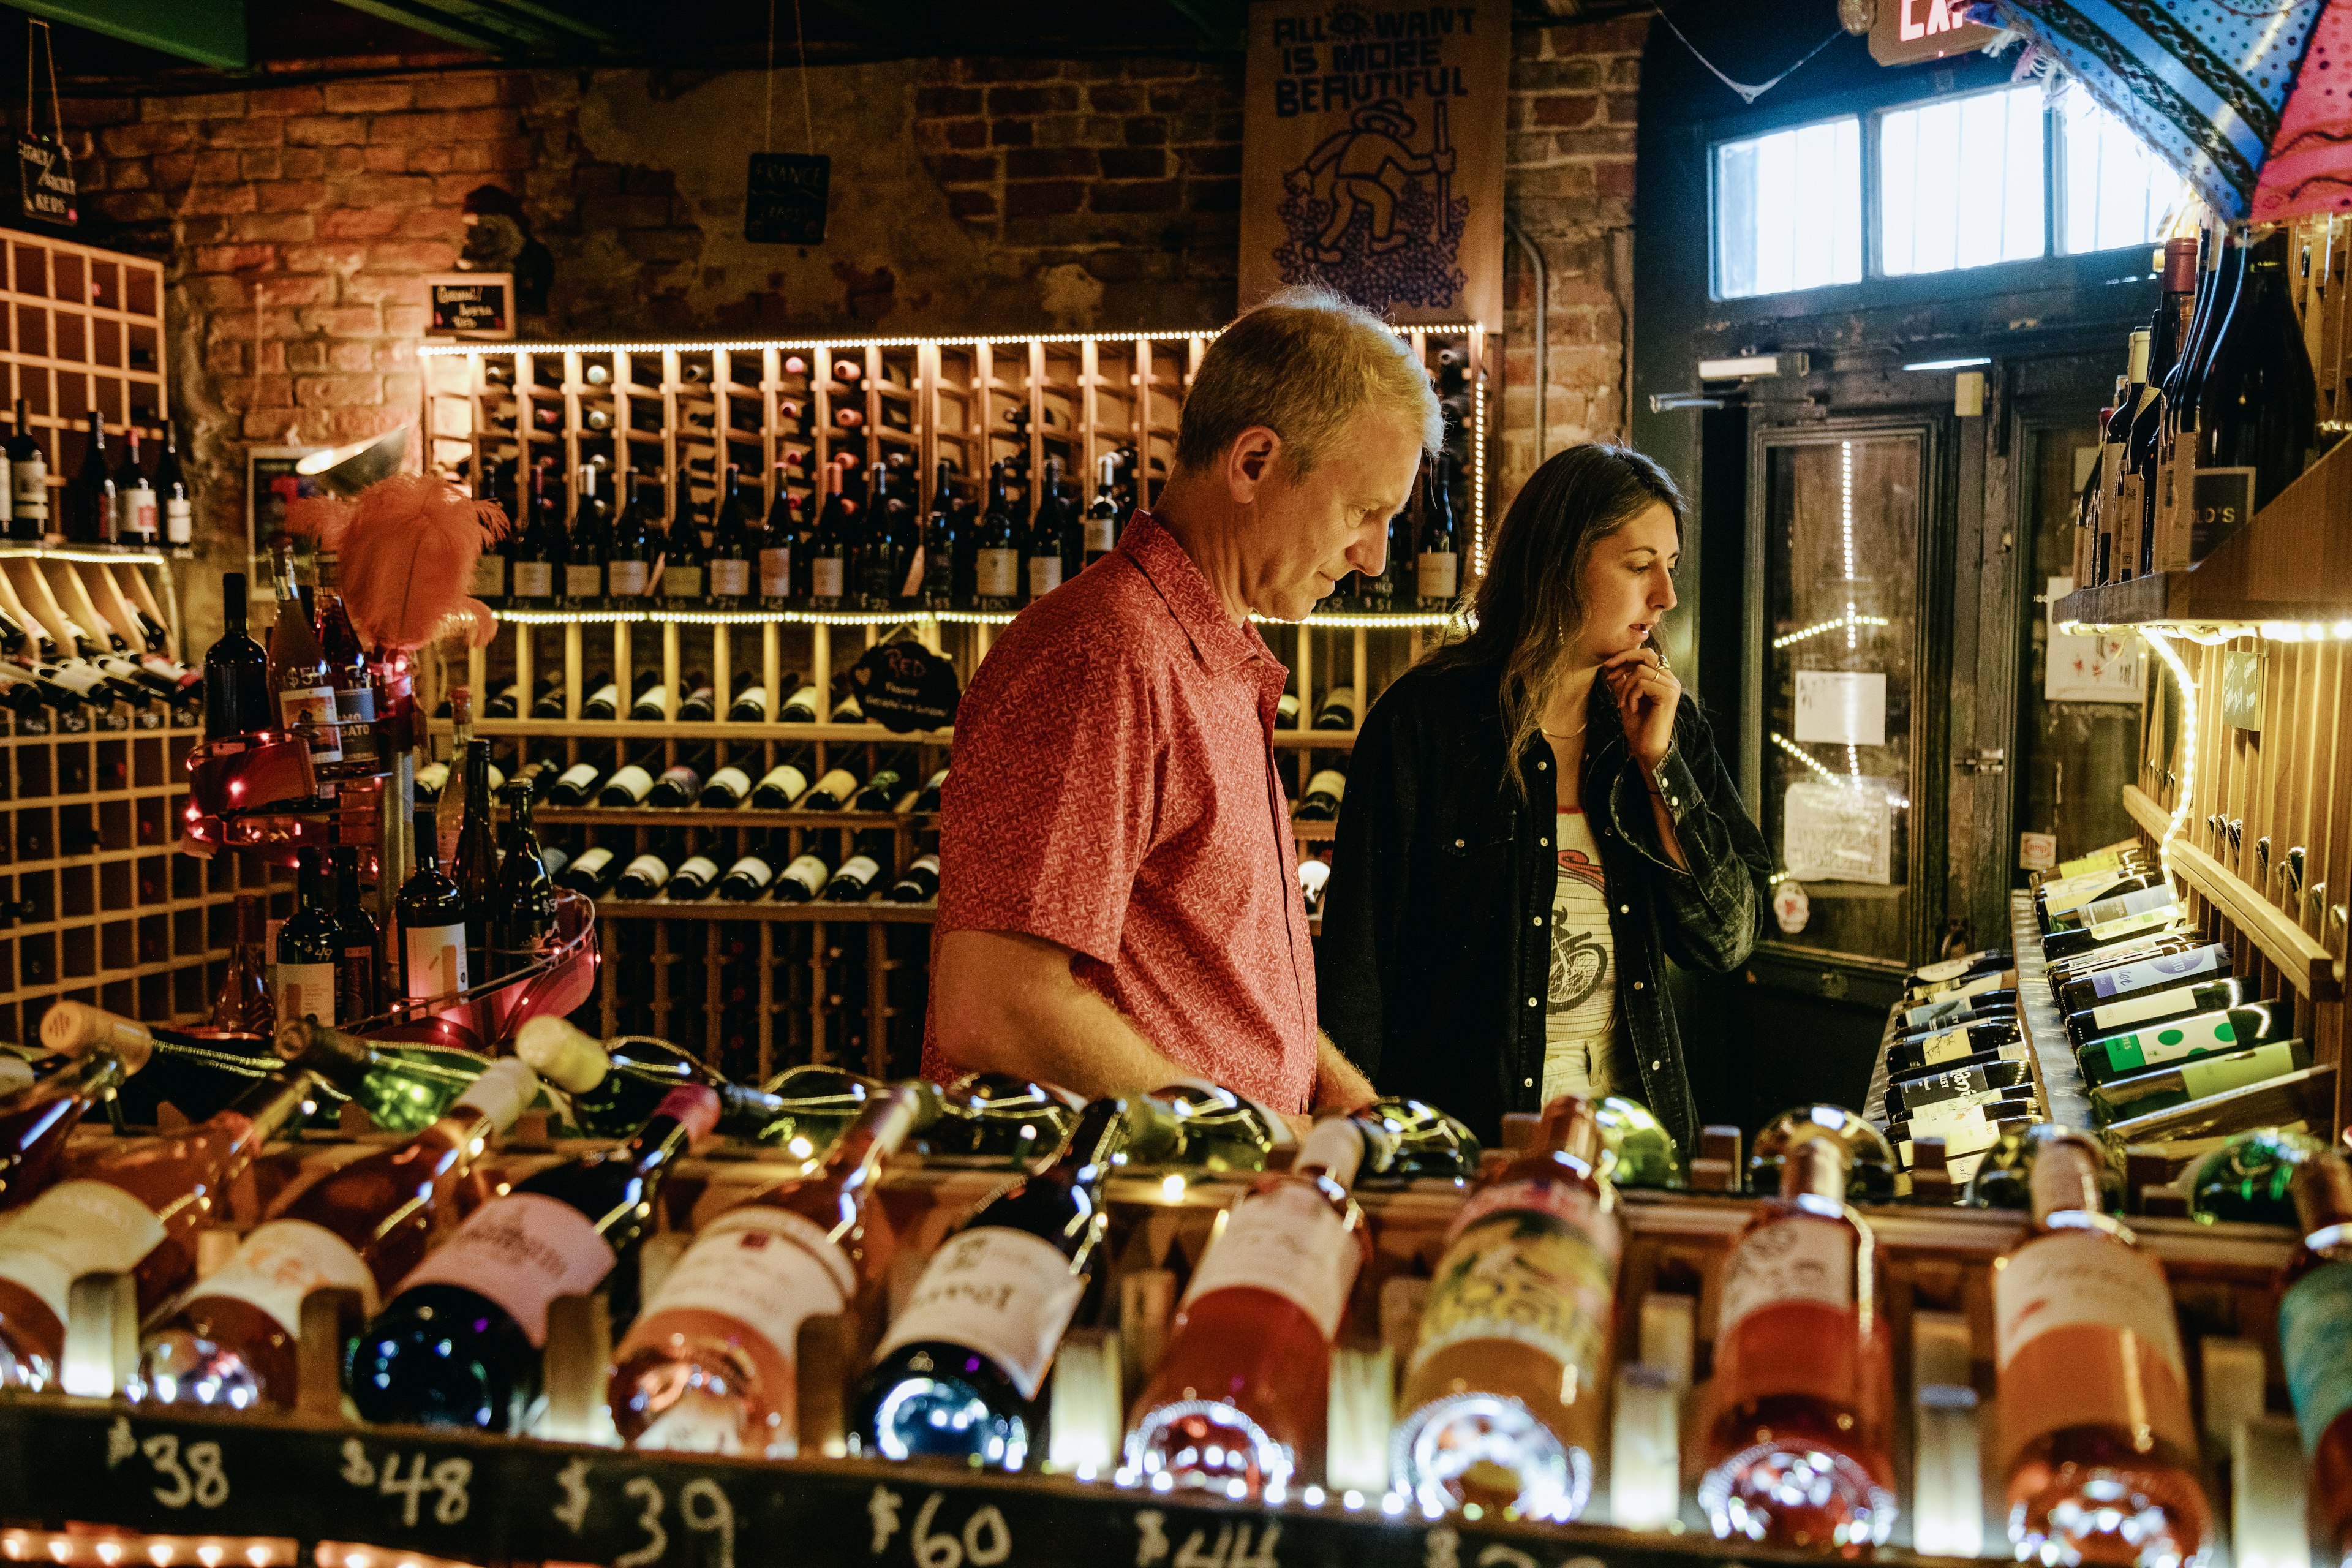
(1647, 694)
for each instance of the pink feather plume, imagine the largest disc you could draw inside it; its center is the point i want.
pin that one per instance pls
(408, 545)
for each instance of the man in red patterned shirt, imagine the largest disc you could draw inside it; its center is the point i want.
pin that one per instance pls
(1118, 887)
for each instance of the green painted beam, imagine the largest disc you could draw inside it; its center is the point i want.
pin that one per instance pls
(500, 27)
(1221, 22)
(209, 32)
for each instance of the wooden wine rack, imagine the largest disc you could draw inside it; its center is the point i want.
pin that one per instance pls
(688, 409)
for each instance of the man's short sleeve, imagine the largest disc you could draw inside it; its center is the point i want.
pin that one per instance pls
(1049, 809)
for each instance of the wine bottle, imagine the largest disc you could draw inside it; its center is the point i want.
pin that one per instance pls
(430, 916)
(2177, 1040)
(242, 1004)
(172, 485)
(28, 482)
(2153, 1006)
(2257, 403)
(1339, 708)
(879, 793)
(298, 665)
(749, 874)
(359, 944)
(2199, 1077)
(776, 548)
(1943, 1047)
(645, 873)
(308, 946)
(630, 550)
(590, 873)
(997, 549)
(779, 787)
(680, 783)
(475, 868)
(125, 1212)
(1798, 1446)
(236, 672)
(584, 543)
(918, 883)
(1438, 547)
(576, 784)
(690, 883)
(1240, 1401)
(2315, 1304)
(654, 701)
(749, 703)
(711, 1365)
(1041, 548)
(802, 878)
(832, 792)
(2121, 502)
(732, 551)
(449, 804)
(93, 509)
(2216, 280)
(36, 1123)
(829, 547)
(364, 1226)
(2164, 972)
(854, 880)
(928, 799)
(534, 552)
(603, 704)
(459, 1345)
(2166, 332)
(685, 562)
(1514, 1341)
(2139, 901)
(1102, 517)
(1324, 793)
(2106, 933)
(956, 1377)
(800, 708)
(522, 904)
(2095, 1442)
(613, 1085)
(942, 545)
(135, 519)
(629, 784)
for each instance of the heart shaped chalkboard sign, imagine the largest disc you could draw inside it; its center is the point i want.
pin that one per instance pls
(906, 686)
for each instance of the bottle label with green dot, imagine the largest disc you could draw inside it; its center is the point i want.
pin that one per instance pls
(2153, 1047)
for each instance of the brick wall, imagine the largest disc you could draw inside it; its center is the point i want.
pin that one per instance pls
(300, 220)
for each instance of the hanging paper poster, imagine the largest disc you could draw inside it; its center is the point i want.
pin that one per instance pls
(2088, 668)
(1842, 707)
(1838, 832)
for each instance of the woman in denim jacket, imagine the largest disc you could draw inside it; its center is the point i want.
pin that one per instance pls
(1536, 820)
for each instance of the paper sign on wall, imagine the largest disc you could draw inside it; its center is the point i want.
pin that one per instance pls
(1842, 707)
(1838, 833)
(2088, 669)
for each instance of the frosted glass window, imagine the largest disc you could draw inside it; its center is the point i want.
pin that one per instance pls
(1787, 210)
(1961, 182)
(2113, 191)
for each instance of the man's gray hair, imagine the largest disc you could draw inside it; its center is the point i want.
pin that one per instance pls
(1303, 364)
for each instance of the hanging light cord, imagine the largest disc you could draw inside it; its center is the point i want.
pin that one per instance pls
(1748, 92)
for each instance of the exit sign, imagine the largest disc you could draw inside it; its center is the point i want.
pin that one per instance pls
(1908, 31)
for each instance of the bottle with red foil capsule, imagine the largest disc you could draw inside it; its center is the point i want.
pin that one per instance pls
(133, 1212)
(709, 1366)
(2095, 1436)
(361, 1227)
(459, 1345)
(1242, 1394)
(1503, 1396)
(1798, 1451)
(36, 1122)
(2315, 1338)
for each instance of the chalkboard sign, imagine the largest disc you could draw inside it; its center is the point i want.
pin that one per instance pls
(470, 304)
(786, 199)
(905, 687)
(46, 174)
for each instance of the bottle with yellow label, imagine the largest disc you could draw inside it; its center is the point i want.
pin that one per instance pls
(1503, 1398)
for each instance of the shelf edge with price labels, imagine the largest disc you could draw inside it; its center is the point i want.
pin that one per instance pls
(490, 1500)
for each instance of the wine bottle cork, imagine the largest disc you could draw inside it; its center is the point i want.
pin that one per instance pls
(502, 1093)
(564, 1055)
(76, 1028)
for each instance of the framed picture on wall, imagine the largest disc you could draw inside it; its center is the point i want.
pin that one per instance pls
(271, 484)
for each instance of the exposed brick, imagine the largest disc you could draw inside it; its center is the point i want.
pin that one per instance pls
(972, 206)
(431, 223)
(1009, 70)
(1034, 198)
(454, 125)
(325, 130)
(1049, 164)
(214, 168)
(405, 320)
(1012, 134)
(292, 195)
(195, 106)
(966, 134)
(1147, 130)
(1564, 110)
(1614, 179)
(1115, 98)
(286, 101)
(246, 130)
(383, 189)
(413, 255)
(1138, 197)
(400, 354)
(468, 91)
(384, 289)
(359, 223)
(271, 228)
(352, 353)
(1133, 163)
(323, 258)
(133, 207)
(662, 244)
(337, 390)
(1624, 107)
(215, 292)
(948, 171)
(149, 136)
(261, 163)
(369, 97)
(309, 354)
(944, 103)
(1056, 100)
(233, 198)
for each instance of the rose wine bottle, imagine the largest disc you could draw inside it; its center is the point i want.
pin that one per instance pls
(1502, 1398)
(613, 1085)
(2315, 1338)
(362, 1227)
(709, 1366)
(957, 1377)
(1797, 1448)
(459, 1345)
(134, 1212)
(1242, 1396)
(36, 1122)
(2095, 1436)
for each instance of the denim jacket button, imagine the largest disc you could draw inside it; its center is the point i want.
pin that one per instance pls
(1527, 1083)
(1543, 843)
(1656, 1066)
(1538, 1002)
(1538, 921)
(1637, 985)
(1624, 909)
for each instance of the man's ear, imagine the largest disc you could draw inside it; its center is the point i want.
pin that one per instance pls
(1249, 461)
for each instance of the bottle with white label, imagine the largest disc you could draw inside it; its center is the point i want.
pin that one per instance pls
(126, 1212)
(28, 482)
(725, 788)
(957, 1377)
(2092, 1389)
(308, 948)
(1324, 792)
(646, 874)
(629, 784)
(591, 873)
(854, 881)
(779, 787)
(834, 791)
(575, 784)
(1438, 550)
(1242, 1396)
(691, 881)
(803, 877)
(1797, 1444)
(360, 1227)
(709, 1367)
(997, 553)
(459, 1345)
(918, 883)
(430, 916)
(2173, 1040)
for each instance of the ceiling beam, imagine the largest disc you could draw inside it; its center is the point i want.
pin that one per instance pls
(510, 27)
(209, 32)
(1221, 22)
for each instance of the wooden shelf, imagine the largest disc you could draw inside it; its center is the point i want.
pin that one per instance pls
(713, 730)
(2301, 960)
(741, 816)
(816, 911)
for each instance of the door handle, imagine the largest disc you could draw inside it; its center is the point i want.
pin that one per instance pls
(1984, 760)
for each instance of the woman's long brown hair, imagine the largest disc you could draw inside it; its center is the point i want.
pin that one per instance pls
(1530, 604)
